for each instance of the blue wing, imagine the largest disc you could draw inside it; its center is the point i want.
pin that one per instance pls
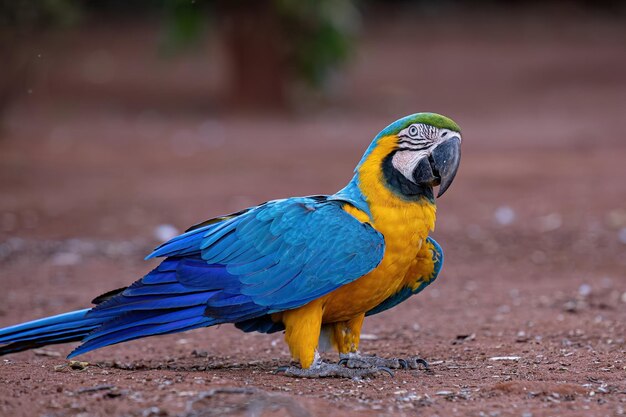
(267, 259)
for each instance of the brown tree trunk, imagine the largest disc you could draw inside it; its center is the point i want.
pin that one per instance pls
(15, 68)
(258, 73)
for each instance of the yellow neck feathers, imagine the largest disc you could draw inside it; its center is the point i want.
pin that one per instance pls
(387, 207)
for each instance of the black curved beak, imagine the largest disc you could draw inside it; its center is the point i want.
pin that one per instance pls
(441, 165)
(445, 160)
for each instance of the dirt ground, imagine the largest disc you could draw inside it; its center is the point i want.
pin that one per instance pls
(528, 317)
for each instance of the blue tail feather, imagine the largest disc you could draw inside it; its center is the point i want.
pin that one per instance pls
(62, 328)
(123, 304)
(142, 317)
(137, 332)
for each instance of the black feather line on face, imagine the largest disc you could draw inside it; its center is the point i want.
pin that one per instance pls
(414, 140)
(414, 144)
(411, 147)
(400, 185)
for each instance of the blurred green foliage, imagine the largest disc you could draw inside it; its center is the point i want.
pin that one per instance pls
(320, 33)
(317, 35)
(184, 23)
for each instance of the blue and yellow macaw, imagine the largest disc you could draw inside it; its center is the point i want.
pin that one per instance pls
(313, 266)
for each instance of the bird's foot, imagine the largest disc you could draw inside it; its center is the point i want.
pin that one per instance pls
(355, 361)
(333, 370)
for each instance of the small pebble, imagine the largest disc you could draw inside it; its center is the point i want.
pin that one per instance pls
(521, 337)
(505, 358)
(165, 232)
(504, 215)
(584, 290)
(550, 222)
(66, 259)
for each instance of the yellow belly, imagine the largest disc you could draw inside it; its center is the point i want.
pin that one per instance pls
(405, 227)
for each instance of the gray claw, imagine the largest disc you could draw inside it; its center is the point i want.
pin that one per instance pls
(414, 363)
(281, 369)
(358, 361)
(385, 369)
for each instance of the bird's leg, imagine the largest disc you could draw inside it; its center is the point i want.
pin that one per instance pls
(321, 369)
(302, 332)
(355, 360)
(346, 336)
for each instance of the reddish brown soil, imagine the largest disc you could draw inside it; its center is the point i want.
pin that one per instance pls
(89, 168)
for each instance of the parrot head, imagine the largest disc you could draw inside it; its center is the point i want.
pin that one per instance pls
(417, 153)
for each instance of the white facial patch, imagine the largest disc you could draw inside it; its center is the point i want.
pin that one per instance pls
(406, 161)
(447, 133)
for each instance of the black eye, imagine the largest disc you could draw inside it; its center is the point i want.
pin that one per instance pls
(413, 131)
(444, 134)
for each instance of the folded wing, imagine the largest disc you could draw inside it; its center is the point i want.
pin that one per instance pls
(267, 259)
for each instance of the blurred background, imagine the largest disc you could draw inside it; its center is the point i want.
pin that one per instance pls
(122, 123)
(118, 116)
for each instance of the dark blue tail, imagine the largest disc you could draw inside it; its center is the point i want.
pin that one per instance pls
(157, 304)
(63, 328)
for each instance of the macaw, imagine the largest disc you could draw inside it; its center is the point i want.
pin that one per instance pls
(313, 267)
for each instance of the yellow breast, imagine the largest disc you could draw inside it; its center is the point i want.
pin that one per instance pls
(404, 224)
